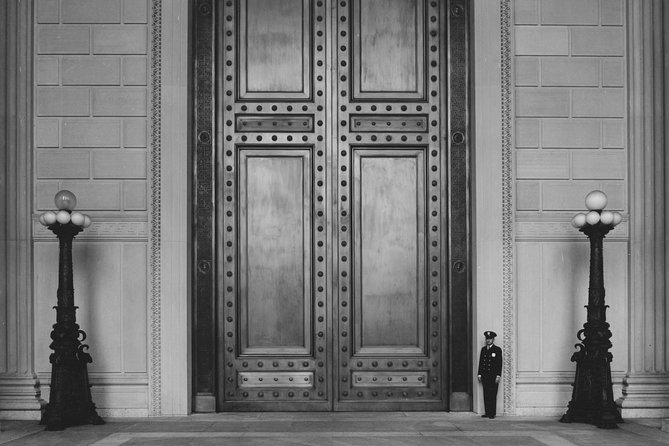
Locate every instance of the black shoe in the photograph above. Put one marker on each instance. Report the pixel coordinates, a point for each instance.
(484, 416)
(492, 417)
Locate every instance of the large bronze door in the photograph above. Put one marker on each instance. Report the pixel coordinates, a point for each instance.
(331, 198)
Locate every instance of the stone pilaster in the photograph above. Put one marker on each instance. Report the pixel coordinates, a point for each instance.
(646, 386)
(19, 395)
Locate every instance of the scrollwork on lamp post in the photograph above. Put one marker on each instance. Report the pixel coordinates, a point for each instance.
(70, 401)
(592, 396)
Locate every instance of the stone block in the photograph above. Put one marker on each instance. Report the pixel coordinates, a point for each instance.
(47, 11)
(542, 164)
(95, 195)
(135, 132)
(613, 72)
(60, 164)
(541, 41)
(564, 280)
(616, 191)
(135, 70)
(126, 39)
(63, 39)
(527, 133)
(46, 70)
(596, 41)
(91, 70)
(612, 12)
(91, 11)
(62, 101)
(119, 102)
(45, 190)
(135, 196)
(613, 133)
(570, 12)
(604, 103)
(527, 71)
(119, 164)
(135, 11)
(566, 195)
(570, 72)
(570, 133)
(528, 264)
(91, 133)
(528, 196)
(46, 132)
(98, 286)
(542, 102)
(599, 164)
(133, 294)
(526, 12)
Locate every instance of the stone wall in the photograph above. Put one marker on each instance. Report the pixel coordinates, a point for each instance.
(91, 102)
(570, 138)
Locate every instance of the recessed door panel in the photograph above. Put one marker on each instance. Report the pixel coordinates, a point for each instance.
(274, 49)
(275, 290)
(388, 37)
(388, 232)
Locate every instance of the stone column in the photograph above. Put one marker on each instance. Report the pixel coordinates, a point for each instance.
(646, 386)
(18, 394)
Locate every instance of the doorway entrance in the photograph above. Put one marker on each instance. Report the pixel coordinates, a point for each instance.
(331, 217)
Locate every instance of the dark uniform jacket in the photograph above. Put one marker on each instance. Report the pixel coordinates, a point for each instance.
(490, 362)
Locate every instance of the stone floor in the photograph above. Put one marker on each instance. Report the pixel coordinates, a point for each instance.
(340, 429)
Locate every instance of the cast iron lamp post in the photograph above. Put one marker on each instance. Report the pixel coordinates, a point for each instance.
(70, 401)
(592, 397)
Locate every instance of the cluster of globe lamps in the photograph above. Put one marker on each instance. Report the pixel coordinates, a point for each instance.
(596, 201)
(65, 202)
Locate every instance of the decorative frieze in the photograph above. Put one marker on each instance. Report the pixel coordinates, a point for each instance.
(101, 230)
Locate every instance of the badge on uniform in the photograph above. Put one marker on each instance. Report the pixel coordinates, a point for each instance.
(493, 355)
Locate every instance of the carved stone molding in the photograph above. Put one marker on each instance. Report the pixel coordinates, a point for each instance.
(554, 229)
(155, 216)
(102, 230)
(508, 344)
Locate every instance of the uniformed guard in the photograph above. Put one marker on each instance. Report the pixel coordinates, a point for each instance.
(490, 372)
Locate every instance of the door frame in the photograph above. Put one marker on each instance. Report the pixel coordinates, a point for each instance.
(457, 278)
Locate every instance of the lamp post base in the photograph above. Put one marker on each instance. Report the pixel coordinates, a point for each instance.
(70, 399)
(602, 417)
(592, 397)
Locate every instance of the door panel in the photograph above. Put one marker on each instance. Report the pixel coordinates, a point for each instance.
(388, 37)
(275, 251)
(331, 191)
(274, 37)
(389, 257)
(389, 332)
(272, 221)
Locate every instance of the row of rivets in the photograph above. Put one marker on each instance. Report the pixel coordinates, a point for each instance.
(273, 107)
(344, 215)
(309, 138)
(274, 394)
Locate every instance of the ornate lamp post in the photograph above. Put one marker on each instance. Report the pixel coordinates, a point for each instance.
(592, 397)
(70, 401)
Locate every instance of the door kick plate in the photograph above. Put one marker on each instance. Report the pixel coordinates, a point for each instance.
(248, 380)
(390, 379)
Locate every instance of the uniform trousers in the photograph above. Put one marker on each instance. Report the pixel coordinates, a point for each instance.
(489, 394)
